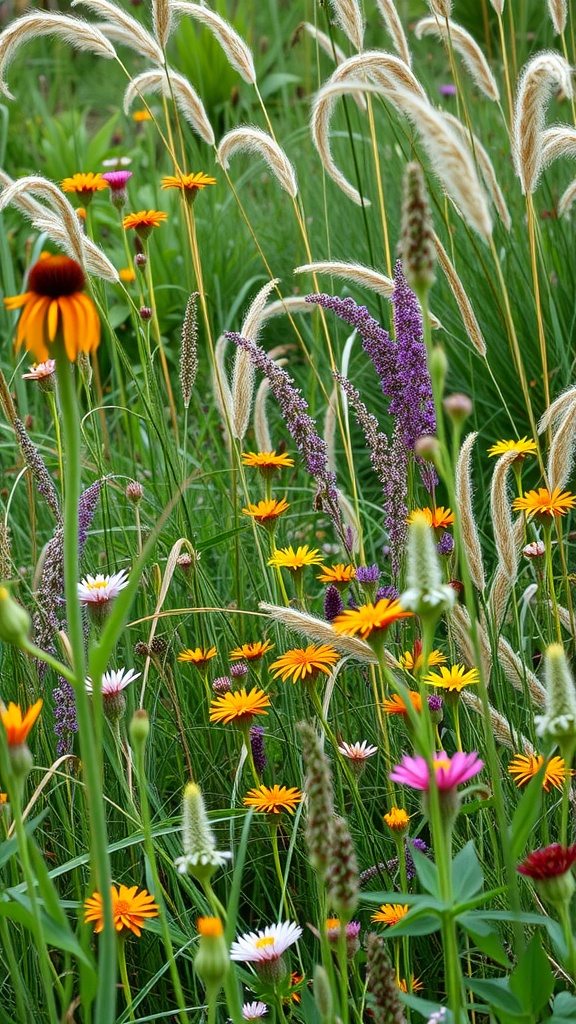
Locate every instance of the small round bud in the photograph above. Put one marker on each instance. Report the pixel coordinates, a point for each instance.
(427, 447)
(185, 562)
(438, 365)
(21, 760)
(212, 961)
(114, 706)
(141, 649)
(222, 684)
(458, 407)
(145, 313)
(14, 620)
(140, 259)
(158, 646)
(134, 492)
(139, 729)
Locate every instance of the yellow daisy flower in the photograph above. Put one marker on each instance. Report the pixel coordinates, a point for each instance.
(390, 913)
(453, 678)
(251, 652)
(287, 558)
(239, 706)
(525, 446)
(302, 662)
(273, 799)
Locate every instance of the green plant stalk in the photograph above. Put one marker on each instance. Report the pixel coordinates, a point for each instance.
(564, 915)
(20, 994)
(91, 753)
(124, 976)
(547, 529)
(343, 971)
(151, 855)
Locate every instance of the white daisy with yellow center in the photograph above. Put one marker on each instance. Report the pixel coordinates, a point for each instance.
(267, 944)
(99, 589)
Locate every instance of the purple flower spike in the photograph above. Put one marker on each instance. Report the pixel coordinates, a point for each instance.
(445, 545)
(391, 592)
(368, 573)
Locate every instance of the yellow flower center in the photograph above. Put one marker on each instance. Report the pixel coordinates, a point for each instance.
(442, 763)
(98, 585)
(268, 940)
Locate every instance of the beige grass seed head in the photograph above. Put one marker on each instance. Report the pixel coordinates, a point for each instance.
(125, 29)
(502, 524)
(561, 451)
(462, 301)
(168, 82)
(499, 725)
(486, 168)
(349, 17)
(559, 13)
(249, 139)
(78, 33)
(541, 77)
(234, 47)
(566, 200)
(558, 409)
(395, 29)
(162, 21)
(243, 374)
(558, 141)
(332, 50)
(465, 512)
(464, 44)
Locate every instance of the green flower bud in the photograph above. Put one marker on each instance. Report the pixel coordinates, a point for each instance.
(559, 721)
(14, 620)
(212, 961)
(139, 729)
(201, 858)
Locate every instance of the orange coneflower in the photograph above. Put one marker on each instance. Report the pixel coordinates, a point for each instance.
(239, 706)
(397, 819)
(396, 705)
(523, 768)
(274, 799)
(370, 617)
(390, 913)
(525, 446)
(84, 185)
(18, 726)
(55, 304)
(544, 504)
(199, 657)
(144, 221)
(301, 662)
(267, 511)
(129, 907)
(251, 652)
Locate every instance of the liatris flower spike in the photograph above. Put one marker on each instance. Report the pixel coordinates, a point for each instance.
(201, 858)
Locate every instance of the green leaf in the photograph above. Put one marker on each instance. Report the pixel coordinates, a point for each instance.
(532, 979)
(18, 910)
(415, 924)
(427, 872)
(526, 814)
(467, 873)
(484, 936)
(276, 81)
(411, 898)
(10, 846)
(496, 992)
(563, 1009)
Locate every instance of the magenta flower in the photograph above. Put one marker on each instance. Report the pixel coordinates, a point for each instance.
(117, 179)
(450, 771)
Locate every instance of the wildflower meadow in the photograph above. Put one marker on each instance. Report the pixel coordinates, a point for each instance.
(287, 512)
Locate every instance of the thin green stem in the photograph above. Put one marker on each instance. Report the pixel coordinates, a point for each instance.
(124, 977)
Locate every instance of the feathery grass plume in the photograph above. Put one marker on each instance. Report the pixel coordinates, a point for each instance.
(472, 56)
(5, 555)
(567, 199)
(498, 5)
(189, 349)
(487, 172)
(60, 223)
(389, 71)
(320, 799)
(462, 301)
(502, 524)
(540, 78)
(242, 388)
(499, 725)
(318, 629)
(460, 624)
(559, 720)
(561, 451)
(330, 421)
(383, 992)
(451, 161)
(416, 231)
(396, 32)
(75, 31)
(427, 595)
(249, 139)
(6, 401)
(220, 385)
(342, 870)
(260, 418)
(464, 492)
(200, 857)
(559, 13)
(441, 8)
(234, 47)
(516, 671)
(331, 48)
(162, 21)
(123, 28)
(349, 17)
(558, 141)
(294, 410)
(168, 82)
(356, 273)
(499, 596)
(566, 402)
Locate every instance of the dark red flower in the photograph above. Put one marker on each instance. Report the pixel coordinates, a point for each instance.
(549, 862)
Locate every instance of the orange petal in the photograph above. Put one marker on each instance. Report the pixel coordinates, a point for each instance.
(53, 318)
(17, 301)
(72, 326)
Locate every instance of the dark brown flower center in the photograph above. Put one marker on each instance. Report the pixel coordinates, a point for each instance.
(55, 276)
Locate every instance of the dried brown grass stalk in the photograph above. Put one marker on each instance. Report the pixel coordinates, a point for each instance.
(187, 99)
(248, 139)
(502, 525)
(567, 199)
(465, 512)
(462, 301)
(472, 56)
(236, 50)
(123, 28)
(318, 629)
(498, 723)
(486, 169)
(60, 223)
(75, 31)
(396, 32)
(559, 14)
(541, 77)
(348, 14)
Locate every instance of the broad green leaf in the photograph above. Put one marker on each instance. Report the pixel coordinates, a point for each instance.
(61, 938)
(563, 1009)
(467, 873)
(427, 872)
(484, 936)
(420, 924)
(532, 979)
(526, 815)
(411, 898)
(496, 992)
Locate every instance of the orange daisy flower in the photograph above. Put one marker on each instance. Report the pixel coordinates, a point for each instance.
(274, 799)
(544, 504)
(439, 518)
(397, 819)
(251, 652)
(523, 767)
(369, 617)
(397, 706)
(390, 913)
(144, 221)
(337, 574)
(127, 274)
(267, 511)
(199, 657)
(130, 909)
(55, 303)
(141, 115)
(267, 462)
(84, 185)
(416, 984)
(239, 706)
(305, 661)
(189, 184)
(18, 726)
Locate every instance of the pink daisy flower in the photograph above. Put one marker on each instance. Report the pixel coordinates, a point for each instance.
(450, 771)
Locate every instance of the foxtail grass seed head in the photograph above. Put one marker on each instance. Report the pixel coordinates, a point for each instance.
(539, 80)
(559, 720)
(318, 788)
(236, 51)
(249, 139)
(139, 730)
(559, 13)
(212, 961)
(395, 29)
(14, 620)
(383, 992)
(342, 870)
(201, 858)
(416, 239)
(464, 44)
(189, 349)
(427, 596)
(170, 83)
(465, 511)
(348, 14)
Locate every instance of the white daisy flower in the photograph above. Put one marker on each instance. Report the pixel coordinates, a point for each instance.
(253, 1011)
(268, 944)
(357, 751)
(115, 681)
(100, 589)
